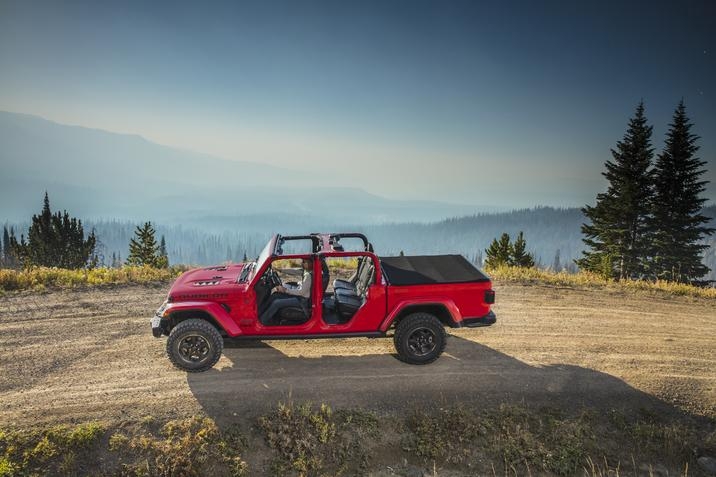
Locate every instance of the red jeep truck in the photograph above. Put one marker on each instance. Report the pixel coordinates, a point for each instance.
(415, 297)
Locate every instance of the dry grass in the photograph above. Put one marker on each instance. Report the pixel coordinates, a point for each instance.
(188, 448)
(312, 440)
(182, 448)
(512, 437)
(308, 440)
(58, 450)
(592, 280)
(516, 440)
(39, 278)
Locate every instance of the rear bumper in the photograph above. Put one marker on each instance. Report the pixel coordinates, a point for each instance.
(487, 320)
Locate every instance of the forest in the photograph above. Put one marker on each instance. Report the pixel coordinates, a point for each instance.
(553, 236)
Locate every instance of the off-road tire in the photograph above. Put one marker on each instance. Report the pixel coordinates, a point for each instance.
(204, 335)
(419, 323)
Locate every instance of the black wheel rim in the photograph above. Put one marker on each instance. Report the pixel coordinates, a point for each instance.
(422, 342)
(194, 348)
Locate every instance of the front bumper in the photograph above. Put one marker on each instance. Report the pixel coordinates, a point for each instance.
(157, 322)
(487, 320)
(157, 329)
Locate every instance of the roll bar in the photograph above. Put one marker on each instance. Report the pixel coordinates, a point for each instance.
(280, 239)
(334, 240)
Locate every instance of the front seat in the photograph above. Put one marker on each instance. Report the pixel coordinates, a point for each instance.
(300, 314)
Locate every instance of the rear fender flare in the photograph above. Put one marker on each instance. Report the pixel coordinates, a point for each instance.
(449, 305)
(220, 316)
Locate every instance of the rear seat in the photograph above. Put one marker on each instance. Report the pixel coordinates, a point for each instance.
(359, 275)
(348, 300)
(349, 284)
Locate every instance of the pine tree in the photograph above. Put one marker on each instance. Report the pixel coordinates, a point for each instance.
(9, 257)
(5, 244)
(617, 234)
(163, 261)
(519, 256)
(143, 249)
(499, 252)
(677, 224)
(557, 263)
(55, 240)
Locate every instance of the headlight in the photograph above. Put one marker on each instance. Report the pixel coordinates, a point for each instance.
(160, 310)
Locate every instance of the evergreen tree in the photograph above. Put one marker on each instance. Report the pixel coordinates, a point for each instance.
(8, 255)
(617, 235)
(5, 242)
(519, 256)
(55, 240)
(677, 223)
(163, 255)
(143, 248)
(557, 263)
(499, 252)
(245, 259)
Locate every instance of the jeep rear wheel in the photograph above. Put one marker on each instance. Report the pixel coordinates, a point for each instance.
(419, 338)
(194, 345)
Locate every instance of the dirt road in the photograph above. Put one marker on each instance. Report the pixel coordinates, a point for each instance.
(71, 356)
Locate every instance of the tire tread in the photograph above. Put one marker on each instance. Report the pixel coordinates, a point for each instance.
(197, 325)
(412, 321)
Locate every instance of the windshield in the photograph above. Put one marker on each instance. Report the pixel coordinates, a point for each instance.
(265, 253)
(251, 267)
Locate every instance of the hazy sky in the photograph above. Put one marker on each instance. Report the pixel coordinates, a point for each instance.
(504, 103)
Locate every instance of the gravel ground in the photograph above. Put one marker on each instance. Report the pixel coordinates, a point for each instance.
(75, 355)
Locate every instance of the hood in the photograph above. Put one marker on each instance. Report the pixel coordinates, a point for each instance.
(206, 283)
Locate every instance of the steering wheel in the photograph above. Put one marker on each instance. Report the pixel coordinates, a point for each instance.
(273, 279)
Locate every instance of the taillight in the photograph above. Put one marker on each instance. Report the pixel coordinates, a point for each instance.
(489, 297)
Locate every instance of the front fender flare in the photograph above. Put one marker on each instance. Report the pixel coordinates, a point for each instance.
(213, 309)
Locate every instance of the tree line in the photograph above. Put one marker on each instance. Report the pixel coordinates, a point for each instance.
(59, 240)
(649, 224)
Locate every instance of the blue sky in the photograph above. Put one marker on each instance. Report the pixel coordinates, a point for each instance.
(500, 103)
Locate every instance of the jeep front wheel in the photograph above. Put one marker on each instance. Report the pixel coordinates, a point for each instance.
(194, 345)
(419, 338)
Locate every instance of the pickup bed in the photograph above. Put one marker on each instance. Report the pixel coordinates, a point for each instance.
(412, 297)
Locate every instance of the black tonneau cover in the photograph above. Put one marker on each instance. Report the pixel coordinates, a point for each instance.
(424, 269)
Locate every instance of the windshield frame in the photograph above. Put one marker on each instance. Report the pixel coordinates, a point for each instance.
(265, 254)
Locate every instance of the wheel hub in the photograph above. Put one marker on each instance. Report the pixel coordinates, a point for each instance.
(422, 341)
(194, 348)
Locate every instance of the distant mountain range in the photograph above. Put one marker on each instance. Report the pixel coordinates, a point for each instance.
(95, 173)
(214, 210)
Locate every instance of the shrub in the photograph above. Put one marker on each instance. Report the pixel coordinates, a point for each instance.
(53, 450)
(593, 280)
(186, 448)
(38, 278)
(315, 441)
